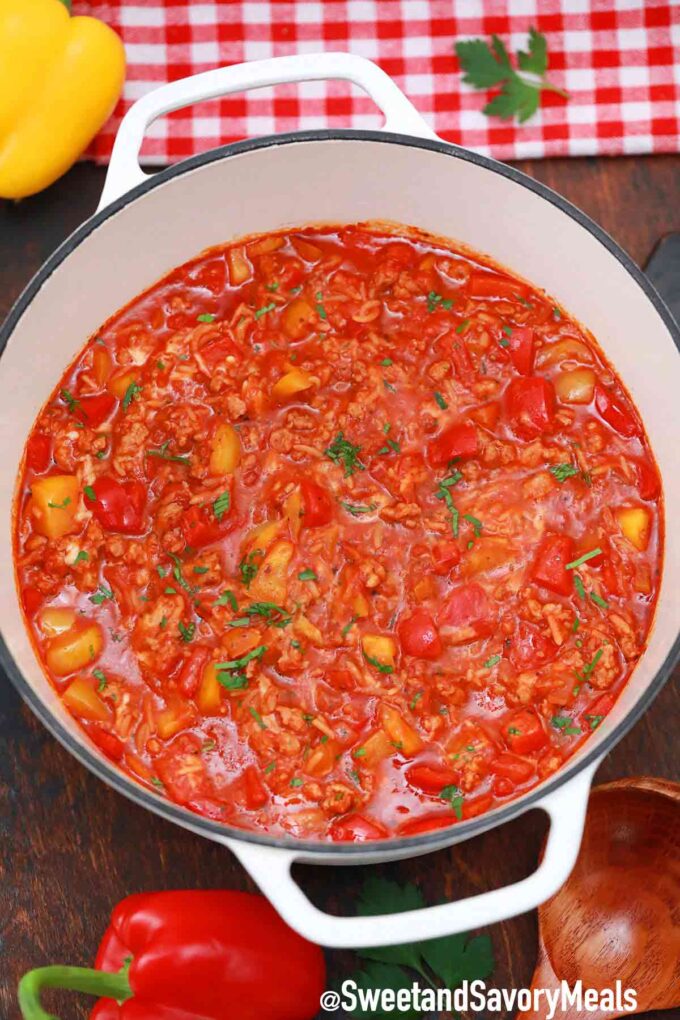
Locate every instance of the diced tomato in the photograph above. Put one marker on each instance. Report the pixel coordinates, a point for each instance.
(461, 360)
(419, 636)
(466, 614)
(445, 555)
(212, 275)
(530, 647)
(356, 829)
(340, 679)
(494, 285)
(549, 567)
(524, 732)
(431, 778)
(458, 440)
(648, 483)
(39, 452)
(217, 349)
(511, 767)
(616, 412)
(317, 506)
(192, 671)
(530, 406)
(521, 344)
(427, 823)
(107, 742)
(96, 409)
(32, 599)
(118, 506)
(255, 791)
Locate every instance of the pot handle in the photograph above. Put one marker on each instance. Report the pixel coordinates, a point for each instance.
(124, 170)
(270, 869)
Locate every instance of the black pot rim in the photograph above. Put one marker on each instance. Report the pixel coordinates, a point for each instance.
(307, 848)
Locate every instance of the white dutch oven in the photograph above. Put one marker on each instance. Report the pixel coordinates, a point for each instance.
(147, 225)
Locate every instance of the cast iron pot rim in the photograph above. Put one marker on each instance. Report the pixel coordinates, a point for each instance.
(378, 848)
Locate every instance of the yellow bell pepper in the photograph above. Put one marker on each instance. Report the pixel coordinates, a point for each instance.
(60, 78)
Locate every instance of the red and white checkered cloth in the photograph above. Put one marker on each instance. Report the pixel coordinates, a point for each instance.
(618, 59)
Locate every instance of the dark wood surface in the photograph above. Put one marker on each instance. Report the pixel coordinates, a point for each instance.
(70, 848)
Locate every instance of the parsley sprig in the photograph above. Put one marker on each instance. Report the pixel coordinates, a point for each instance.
(487, 65)
(341, 451)
(448, 961)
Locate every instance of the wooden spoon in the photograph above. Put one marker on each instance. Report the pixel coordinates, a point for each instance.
(618, 914)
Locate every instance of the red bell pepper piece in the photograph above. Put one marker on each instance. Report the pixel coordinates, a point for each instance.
(213, 955)
(419, 636)
(39, 452)
(616, 412)
(521, 344)
(530, 406)
(427, 823)
(550, 566)
(445, 555)
(118, 506)
(496, 286)
(96, 409)
(510, 766)
(217, 349)
(524, 732)
(192, 670)
(317, 506)
(459, 440)
(356, 829)
(431, 778)
(200, 526)
(648, 483)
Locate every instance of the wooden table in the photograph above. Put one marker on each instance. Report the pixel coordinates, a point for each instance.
(70, 848)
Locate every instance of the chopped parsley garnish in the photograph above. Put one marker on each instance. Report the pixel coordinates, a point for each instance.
(563, 471)
(357, 509)
(82, 557)
(382, 667)
(131, 392)
(507, 330)
(59, 506)
(593, 720)
(155, 781)
(69, 400)
(589, 667)
(455, 798)
(274, 615)
(386, 362)
(100, 675)
(389, 386)
(440, 400)
(90, 493)
(206, 317)
(557, 314)
(598, 600)
(463, 326)
(248, 568)
(341, 451)
(187, 631)
(222, 504)
(232, 681)
(307, 575)
(492, 661)
(162, 454)
(273, 286)
(564, 724)
(444, 493)
(270, 768)
(256, 653)
(416, 698)
(257, 717)
(390, 446)
(320, 310)
(201, 570)
(296, 781)
(475, 522)
(102, 594)
(348, 626)
(265, 309)
(583, 559)
(178, 575)
(578, 584)
(503, 343)
(434, 300)
(208, 745)
(227, 598)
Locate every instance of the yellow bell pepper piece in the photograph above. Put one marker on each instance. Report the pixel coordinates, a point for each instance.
(60, 78)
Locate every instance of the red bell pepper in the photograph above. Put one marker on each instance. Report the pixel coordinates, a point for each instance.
(549, 569)
(118, 506)
(521, 349)
(317, 506)
(530, 406)
(39, 452)
(419, 636)
(615, 411)
(96, 409)
(192, 955)
(200, 526)
(458, 440)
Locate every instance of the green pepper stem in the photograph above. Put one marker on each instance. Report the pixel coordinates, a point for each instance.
(75, 979)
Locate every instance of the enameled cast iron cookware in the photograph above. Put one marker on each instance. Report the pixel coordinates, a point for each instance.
(147, 225)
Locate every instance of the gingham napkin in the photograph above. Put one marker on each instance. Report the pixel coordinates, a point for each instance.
(618, 59)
